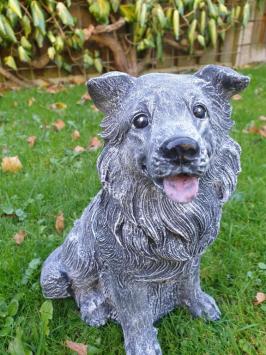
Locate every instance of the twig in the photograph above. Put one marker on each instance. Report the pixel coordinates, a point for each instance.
(11, 77)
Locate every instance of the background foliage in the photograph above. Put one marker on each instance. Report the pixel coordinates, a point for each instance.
(36, 32)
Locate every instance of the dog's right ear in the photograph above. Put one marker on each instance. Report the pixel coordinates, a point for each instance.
(108, 90)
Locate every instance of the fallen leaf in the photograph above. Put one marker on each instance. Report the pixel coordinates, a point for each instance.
(55, 88)
(262, 131)
(31, 101)
(86, 97)
(237, 97)
(81, 349)
(262, 118)
(11, 164)
(19, 237)
(79, 149)
(94, 144)
(252, 128)
(58, 125)
(94, 108)
(59, 223)
(58, 106)
(75, 135)
(31, 140)
(260, 297)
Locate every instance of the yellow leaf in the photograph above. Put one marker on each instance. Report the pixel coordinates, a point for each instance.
(75, 135)
(11, 164)
(57, 106)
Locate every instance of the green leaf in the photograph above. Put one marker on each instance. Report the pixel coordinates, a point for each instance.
(10, 62)
(262, 266)
(213, 32)
(25, 43)
(15, 7)
(2, 27)
(16, 346)
(51, 53)
(46, 311)
(201, 40)
(128, 12)
(191, 32)
(26, 25)
(12, 17)
(12, 308)
(64, 14)
(143, 15)
(59, 44)
(98, 64)
(176, 24)
(8, 29)
(100, 9)
(39, 37)
(115, 5)
(87, 60)
(159, 47)
(3, 309)
(38, 16)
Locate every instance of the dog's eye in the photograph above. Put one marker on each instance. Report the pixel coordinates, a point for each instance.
(140, 121)
(200, 111)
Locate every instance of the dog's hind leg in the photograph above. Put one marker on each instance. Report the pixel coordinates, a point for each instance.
(54, 279)
(199, 303)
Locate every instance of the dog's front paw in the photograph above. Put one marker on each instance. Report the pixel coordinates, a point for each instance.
(203, 305)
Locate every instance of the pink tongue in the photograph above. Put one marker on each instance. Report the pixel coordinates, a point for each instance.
(181, 188)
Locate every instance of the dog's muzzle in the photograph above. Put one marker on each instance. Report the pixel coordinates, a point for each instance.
(181, 150)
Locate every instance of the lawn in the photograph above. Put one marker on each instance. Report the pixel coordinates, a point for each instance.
(55, 179)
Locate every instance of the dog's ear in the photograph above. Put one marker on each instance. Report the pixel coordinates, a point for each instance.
(108, 90)
(225, 79)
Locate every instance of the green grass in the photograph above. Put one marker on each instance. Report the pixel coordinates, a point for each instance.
(54, 179)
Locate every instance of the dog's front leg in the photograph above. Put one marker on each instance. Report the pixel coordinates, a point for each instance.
(135, 316)
(199, 303)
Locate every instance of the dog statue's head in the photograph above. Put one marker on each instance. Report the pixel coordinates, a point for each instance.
(167, 127)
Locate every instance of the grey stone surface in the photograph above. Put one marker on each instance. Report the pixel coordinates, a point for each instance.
(167, 168)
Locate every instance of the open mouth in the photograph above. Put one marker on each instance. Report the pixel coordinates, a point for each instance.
(182, 188)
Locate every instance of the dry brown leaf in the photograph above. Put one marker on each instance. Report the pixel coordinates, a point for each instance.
(75, 135)
(54, 88)
(94, 144)
(58, 106)
(257, 130)
(262, 131)
(31, 101)
(79, 149)
(81, 349)
(84, 98)
(58, 125)
(19, 237)
(11, 164)
(262, 118)
(59, 223)
(94, 108)
(237, 97)
(31, 140)
(260, 297)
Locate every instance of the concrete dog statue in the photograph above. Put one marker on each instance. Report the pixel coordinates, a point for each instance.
(167, 167)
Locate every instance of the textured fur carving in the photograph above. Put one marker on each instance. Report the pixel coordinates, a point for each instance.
(134, 254)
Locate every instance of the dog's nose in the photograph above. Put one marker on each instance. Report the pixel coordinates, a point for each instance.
(181, 149)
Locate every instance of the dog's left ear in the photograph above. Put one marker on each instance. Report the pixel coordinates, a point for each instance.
(108, 90)
(225, 79)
